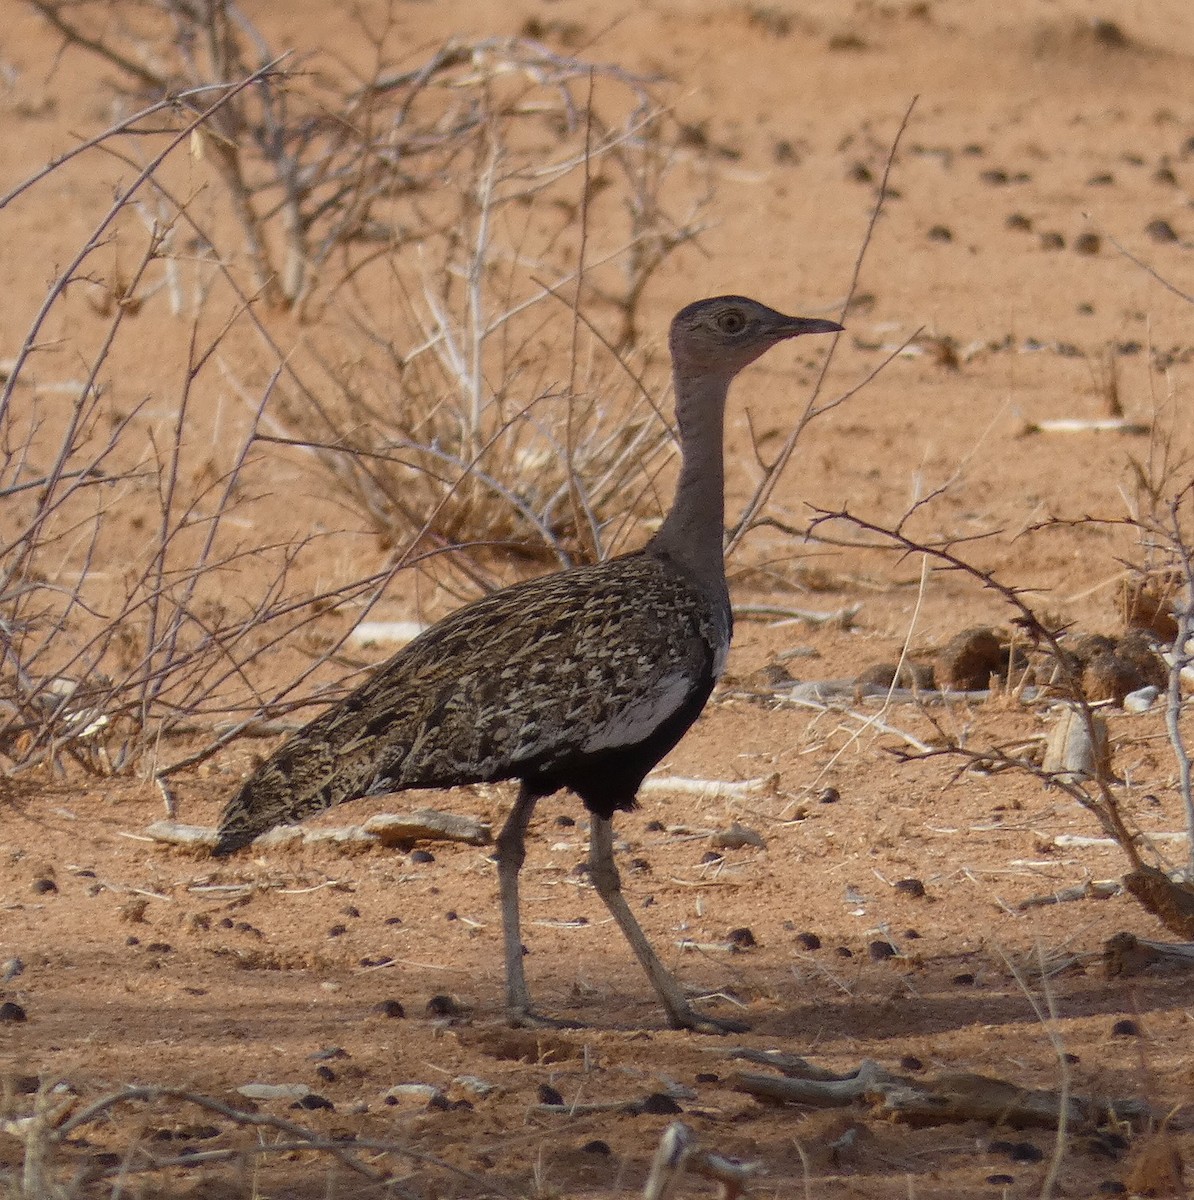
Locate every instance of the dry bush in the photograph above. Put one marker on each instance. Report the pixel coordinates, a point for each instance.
(434, 230)
(471, 191)
(1157, 620)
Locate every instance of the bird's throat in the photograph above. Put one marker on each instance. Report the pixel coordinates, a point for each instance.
(693, 532)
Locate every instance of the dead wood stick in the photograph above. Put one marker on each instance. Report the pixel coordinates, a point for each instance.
(820, 1093)
(842, 616)
(679, 1153)
(963, 1096)
(1092, 889)
(1125, 954)
(1066, 840)
(386, 829)
(948, 1097)
(152, 1094)
(707, 789)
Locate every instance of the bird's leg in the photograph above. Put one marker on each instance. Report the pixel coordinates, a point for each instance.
(604, 874)
(511, 851)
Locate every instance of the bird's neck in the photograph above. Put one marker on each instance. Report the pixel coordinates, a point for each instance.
(693, 532)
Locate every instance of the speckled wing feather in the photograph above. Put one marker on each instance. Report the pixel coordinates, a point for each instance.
(531, 682)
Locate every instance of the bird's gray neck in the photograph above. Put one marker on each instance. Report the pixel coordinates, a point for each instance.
(693, 532)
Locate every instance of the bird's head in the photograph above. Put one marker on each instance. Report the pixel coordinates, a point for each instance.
(722, 335)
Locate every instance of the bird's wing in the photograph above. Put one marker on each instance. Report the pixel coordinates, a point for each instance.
(522, 680)
(550, 676)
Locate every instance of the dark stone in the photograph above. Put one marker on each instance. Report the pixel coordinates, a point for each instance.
(443, 1006)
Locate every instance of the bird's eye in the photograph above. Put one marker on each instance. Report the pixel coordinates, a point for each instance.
(731, 322)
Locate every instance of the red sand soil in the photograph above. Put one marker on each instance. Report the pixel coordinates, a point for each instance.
(146, 965)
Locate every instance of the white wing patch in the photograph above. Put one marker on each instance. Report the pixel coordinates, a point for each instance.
(720, 654)
(637, 721)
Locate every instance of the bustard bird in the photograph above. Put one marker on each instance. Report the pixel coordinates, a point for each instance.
(582, 680)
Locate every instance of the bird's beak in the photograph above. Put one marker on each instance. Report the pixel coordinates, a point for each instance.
(795, 326)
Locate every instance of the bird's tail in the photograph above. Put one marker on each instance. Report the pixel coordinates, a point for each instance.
(317, 767)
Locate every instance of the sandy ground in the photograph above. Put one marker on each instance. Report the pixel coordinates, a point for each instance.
(1045, 136)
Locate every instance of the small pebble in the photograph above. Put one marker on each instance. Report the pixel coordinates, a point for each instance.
(808, 941)
(11, 1011)
(390, 1008)
(879, 950)
(450, 915)
(549, 1095)
(1125, 1028)
(711, 856)
(564, 821)
(1052, 241)
(422, 856)
(964, 979)
(860, 173)
(1165, 175)
(328, 1053)
(351, 910)
(1161, 231)
(1112, 1187)
(1018, 221)
(741, 938)
(912, 934)
(443, 1006)
(160, 948)
(829, 796)
(707, 1077)
(910, 887)
(1088, 243)
(1103, 179)
(660, 1105)
(337, 931)
(325, 1073)
(844, 952)
(43, 887)
(314, 1101)
(911, 1063)
(1001, 1180)
(994, 177)
(274, 1091)
(1141, 700)
(785, 152)
(393, 920)
(596, 1146)
(940, 233)
(1026, 1152)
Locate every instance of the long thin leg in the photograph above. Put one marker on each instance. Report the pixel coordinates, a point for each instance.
(511, 852)
(604, 874)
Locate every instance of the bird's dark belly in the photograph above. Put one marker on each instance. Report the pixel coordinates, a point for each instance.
(607, 780)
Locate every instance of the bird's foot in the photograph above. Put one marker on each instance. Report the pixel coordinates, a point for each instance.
(702, 1023)
(528, 1018)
